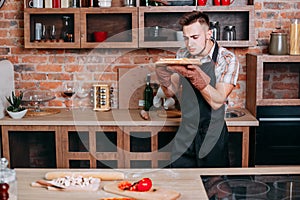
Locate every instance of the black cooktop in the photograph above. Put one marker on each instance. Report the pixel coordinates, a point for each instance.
(253, 187)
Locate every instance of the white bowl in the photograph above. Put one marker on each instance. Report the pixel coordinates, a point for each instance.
(104, 3)
(17, 115)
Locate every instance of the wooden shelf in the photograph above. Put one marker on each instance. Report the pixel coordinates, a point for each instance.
(120, 24)
(167, 17)
(128, 27)
(255, 79)
(49, 17)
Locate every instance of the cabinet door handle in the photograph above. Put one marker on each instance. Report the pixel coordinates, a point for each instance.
(266, 119)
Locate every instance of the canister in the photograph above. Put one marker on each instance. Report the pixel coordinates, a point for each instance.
(278, 43)
(295, 37)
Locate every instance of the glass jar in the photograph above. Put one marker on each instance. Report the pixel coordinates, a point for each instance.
(295, 37)
(229, 33)
(8, 176)
(214, 26)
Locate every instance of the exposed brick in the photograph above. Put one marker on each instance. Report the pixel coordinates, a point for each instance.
(23, 68)
(105, 77)
(25, 85)
(60, 76)
(49, 85)
(98, 68)
(4, 24)
(74, 68)
(33, 76)
(49, 68)
(34, 59)
(4, 50)
(257, 5)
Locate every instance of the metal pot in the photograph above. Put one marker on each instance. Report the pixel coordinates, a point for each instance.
(278, 44)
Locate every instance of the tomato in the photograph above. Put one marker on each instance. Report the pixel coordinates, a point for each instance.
(144, 184)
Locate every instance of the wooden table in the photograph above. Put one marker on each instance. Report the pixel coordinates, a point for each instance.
(185, 181)
(118, 121)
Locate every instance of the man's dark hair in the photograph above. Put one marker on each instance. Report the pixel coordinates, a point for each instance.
(192, 17)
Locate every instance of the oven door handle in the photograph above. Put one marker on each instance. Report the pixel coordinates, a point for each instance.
(271, 119)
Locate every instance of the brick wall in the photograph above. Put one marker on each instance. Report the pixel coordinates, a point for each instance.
(47, 69)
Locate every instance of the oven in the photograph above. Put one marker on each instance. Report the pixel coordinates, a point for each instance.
(278, 135)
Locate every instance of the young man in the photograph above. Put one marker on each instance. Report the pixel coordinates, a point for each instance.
(202, 138)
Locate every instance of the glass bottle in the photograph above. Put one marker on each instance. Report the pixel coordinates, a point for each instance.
(148, 94)
(66, 28)
(7, 181)
(214, 26)
(295, 37)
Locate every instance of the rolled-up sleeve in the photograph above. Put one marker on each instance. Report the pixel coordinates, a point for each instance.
(227, 67)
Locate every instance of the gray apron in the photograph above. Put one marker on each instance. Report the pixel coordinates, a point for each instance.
(201, 126)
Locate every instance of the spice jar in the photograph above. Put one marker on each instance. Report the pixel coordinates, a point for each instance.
(8, 179)
(295, 37)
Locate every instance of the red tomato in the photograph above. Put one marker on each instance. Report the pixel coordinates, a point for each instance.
(144, 184)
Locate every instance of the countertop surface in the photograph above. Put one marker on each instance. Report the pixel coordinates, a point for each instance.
(185, 181)
(114, 117)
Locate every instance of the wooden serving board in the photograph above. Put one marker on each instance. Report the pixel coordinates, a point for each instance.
(169, 114)
(52, 186)
(43, 112)
(155, 193)
(178, 61)
(103, 176)
(7, 84)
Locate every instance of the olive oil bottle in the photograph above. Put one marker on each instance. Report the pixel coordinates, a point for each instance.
(148, 94)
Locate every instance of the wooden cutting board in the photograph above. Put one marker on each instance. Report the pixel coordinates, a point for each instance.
(7, 84)
(43, 112)
(169, 114)
(155, 193)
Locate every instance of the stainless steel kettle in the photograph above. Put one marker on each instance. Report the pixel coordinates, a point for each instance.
(278, 43)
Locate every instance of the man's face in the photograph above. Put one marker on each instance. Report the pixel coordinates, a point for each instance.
(195, 36)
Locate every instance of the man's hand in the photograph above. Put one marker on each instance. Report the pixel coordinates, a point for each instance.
(193, 72)
(164, 76)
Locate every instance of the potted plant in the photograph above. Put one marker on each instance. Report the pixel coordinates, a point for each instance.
(15, 110)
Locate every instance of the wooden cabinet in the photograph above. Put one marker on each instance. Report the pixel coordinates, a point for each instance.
(119, 23)
(83, 23)
(50, 17)
(130, 26)
(272, 80)
(166, 18)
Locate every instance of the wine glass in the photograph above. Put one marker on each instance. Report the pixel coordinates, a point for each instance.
(53, 33)
(69, 89)
(82, 92)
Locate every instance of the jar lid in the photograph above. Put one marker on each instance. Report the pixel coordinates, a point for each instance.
(278, 30)
(6, 175)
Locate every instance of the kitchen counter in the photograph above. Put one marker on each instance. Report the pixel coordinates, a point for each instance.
(185, 181)
(120, 123)
(114, 117)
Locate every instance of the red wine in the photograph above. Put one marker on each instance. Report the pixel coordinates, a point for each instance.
(69, 93)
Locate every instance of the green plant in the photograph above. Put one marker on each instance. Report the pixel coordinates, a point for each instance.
(15, 102)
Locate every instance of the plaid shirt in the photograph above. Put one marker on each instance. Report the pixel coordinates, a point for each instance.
(226, 67)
